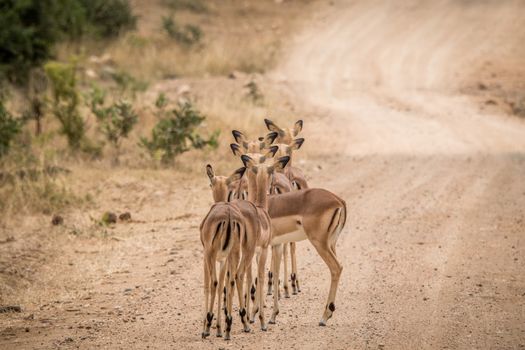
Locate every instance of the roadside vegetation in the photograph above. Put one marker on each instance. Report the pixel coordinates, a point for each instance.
(79, 86)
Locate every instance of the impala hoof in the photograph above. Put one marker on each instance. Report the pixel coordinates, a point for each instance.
(322, 323)
(271, 322)
(264, 328)
(227, 337)
(205, 334)
(247, 329)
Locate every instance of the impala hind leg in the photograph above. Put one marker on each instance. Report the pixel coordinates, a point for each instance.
(243, 298)
(222, 272)
(210, 265)
(260, 292)
(329, 257)
(270, 277)
(205, 328)
(293, 277)
(285, 274)
(277, 251)
(233, 263)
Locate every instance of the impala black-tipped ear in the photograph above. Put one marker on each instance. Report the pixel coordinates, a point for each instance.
(237, 175)
(297, 143)
(298, 126)
(209, 172)
(270, 138)
(281, 162)
(236, 149)
(237, 135)
(271, 125)
(261, 138)
(247, 161)
(272, 150)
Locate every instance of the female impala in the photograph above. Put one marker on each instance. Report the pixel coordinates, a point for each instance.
(314, 214)
(222, 235)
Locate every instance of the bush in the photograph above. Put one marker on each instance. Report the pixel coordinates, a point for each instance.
(108, 18)
(175, 132)
(187, 35)
(116, 120)
(30, 29)
(65, 101)
(9, 129)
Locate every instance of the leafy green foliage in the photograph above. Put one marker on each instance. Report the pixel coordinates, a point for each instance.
(9, 129)
(108, 18)
(31, 28)
(65, 101)
(175, 132)
(116, 120)
(187, 35)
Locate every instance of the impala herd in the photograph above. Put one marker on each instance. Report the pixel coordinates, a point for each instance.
(265, 204)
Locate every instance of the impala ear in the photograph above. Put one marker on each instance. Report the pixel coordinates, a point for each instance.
(298, 126)
(297, 143)
(280, 163)
(210, 173)
(236, 149)
(238, 136)
(271, 152)
(237, 175)
(247, 161)
(268, 139)
(271, 125)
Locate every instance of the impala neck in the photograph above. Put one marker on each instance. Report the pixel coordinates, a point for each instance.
(257, 190)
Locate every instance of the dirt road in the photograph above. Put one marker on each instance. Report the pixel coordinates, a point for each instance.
(433, 251)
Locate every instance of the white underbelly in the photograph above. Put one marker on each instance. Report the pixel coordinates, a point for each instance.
(293, 236)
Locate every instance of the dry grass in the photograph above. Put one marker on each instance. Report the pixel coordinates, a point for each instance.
(238, 35)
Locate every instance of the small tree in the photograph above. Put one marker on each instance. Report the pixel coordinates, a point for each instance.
(175, 132)
(9, 129)
(65, 101)
(116, 120)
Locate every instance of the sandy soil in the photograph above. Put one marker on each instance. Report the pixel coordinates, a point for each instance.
(433, 250)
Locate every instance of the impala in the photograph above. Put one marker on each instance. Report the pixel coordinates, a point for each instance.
(221, 233)
(314, 214)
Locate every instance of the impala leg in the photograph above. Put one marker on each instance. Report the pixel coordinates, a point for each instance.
(260, 292)
(285, 274)
(210, 262)
(205, 330)
(255, 288)
(293, 276)
(239, 279)
(222, 272)
(329, 257)
(277, 251)
(250, 288)
(233, 264)
(270, 276)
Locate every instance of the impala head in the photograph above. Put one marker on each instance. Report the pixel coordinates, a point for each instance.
(259, 177)
(285, 135)
(257, 146)
(220, 184)
(287, 149)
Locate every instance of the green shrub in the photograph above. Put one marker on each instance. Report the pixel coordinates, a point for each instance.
(175, 132)
(187, 35)
(31, 28)
(116, 120)
(127, 84)
(9, 129)
(65, 102)
(108, 18)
